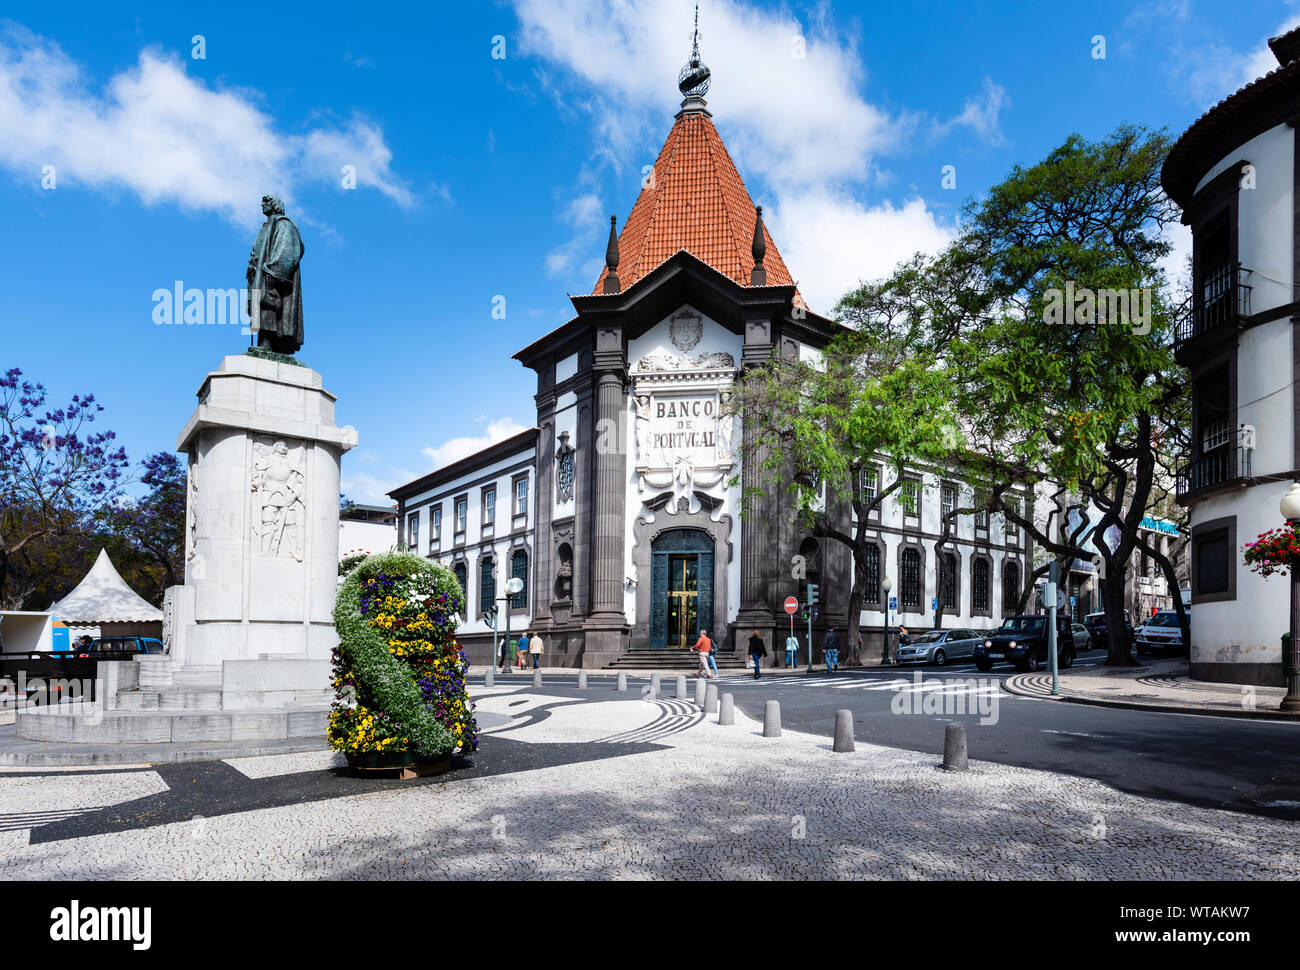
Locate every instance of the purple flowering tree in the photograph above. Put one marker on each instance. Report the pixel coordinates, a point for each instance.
(56, 475)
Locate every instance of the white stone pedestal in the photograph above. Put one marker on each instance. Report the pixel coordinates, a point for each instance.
(262, 557)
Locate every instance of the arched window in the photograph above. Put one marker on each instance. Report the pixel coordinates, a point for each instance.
(519, 570)
(911, 585)
(979, 581)
(487, 584)
(1010, 587)
(871, 578)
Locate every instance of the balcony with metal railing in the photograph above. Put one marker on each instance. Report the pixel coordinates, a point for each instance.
(1222, 302)
(1220, 468)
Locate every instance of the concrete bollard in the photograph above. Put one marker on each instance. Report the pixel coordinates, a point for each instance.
(537, 678)
(727, 710)
(582, 680)
(654, 686)
(843, 731)
(622, 682)
(711, 700)
(772, 719)
(488, 679)
(681, 687)
(954, 747)
(699, 691)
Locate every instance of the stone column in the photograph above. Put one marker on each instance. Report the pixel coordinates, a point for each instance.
(543, 499)
(758, 527)
(607, 625)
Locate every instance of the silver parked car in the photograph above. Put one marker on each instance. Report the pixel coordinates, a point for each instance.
(938, 647)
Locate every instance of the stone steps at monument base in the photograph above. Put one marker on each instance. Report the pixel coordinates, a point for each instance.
(174, 698)
(197, 676)
(83, 724)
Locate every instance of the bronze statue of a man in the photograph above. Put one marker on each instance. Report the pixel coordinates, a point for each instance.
(274, 285)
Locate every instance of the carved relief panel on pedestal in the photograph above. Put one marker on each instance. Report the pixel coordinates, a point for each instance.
(279, 489)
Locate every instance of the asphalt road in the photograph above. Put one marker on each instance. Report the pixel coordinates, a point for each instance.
(1230, 763)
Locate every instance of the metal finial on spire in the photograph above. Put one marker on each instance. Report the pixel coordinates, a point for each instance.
(693, 81)
(612, 284)
(759, 249)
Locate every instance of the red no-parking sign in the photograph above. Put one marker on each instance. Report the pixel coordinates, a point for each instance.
(791, 605)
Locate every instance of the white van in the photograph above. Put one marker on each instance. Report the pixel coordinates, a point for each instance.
(1161, 633)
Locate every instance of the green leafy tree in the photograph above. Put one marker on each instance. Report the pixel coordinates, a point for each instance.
(875, 395)
(1054, 320)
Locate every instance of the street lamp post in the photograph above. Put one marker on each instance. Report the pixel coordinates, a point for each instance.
(1291, 512)
(887, 585)
(513, 586)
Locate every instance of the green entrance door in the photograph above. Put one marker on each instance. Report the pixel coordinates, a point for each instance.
(681, 587)
(683, 600)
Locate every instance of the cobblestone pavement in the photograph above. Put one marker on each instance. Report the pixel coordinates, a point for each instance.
(697, 801)
(1160, 684)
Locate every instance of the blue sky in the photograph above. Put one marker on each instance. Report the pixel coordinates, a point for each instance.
(480, 177)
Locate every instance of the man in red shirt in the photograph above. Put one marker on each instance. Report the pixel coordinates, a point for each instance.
(703, 646)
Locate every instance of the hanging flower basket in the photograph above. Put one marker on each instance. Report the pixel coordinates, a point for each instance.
(1276, 551)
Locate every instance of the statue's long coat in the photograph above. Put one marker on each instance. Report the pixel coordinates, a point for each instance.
(277, 253)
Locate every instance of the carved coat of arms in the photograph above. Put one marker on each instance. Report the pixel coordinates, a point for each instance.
(685, 330)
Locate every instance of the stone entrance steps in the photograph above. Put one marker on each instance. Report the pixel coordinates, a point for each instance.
(85, 723)
(645, 658)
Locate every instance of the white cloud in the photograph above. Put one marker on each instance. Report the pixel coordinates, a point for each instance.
(458, 448)
(585, 216)
(800, 124)
(831, 241)
(367, 489)
(1262, 60)
(168, 137)
(980, 114)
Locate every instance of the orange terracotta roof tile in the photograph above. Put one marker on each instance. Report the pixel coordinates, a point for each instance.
(697, 201)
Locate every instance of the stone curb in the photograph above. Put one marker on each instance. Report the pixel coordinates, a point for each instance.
(1010, 685)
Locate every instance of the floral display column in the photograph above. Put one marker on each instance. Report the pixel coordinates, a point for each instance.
(399, 674)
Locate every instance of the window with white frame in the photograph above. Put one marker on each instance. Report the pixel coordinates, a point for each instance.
(489, 506)
(521, 497)
(462, 514)
(413, 530)
(435, 526)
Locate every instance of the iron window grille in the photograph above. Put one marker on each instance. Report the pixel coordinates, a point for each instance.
(980, 586)
(911, 579)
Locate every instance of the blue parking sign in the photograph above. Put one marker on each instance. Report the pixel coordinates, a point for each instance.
(934, 602)
(1074, 601)
(893, 602)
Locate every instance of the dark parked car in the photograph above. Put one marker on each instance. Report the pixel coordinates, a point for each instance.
(110, 648)
(1022, 642)
(1096, 624)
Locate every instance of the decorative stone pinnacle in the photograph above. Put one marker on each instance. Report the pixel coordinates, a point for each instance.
(759, 249)
(611, 258)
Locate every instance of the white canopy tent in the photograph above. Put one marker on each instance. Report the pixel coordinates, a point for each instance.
(103, 604)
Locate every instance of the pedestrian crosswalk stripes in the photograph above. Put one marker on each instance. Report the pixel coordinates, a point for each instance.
(900, 684)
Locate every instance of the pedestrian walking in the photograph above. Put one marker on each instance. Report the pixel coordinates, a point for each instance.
(521, 652)
(756, 653)
(705, 649)
(535, 648)
(791, 650)
(831, 650)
